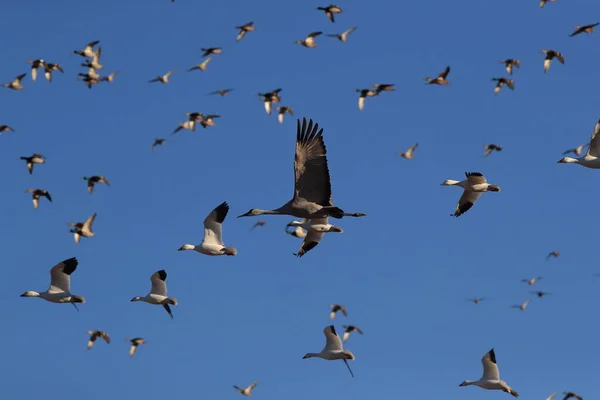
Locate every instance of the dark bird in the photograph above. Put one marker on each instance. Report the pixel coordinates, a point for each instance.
(36, 194)
(550, 55)
(330, 11)
(335, 308)
(440, 79)
(33, 159)
(554, 254)
(510, 63)
(491, 147)
(585, 28)
(501, 82)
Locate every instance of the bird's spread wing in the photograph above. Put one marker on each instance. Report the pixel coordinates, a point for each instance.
(333, 341)
(60, 280)
(445, 73)
(312, 181)
(213, 232)
(594, 149)
(475, 178)
(311, 240)
(490, 369)
(159, 286)
(466, 201)
(88, 223)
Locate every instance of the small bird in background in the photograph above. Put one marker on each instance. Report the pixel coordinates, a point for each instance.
(281, 111)
(88, 50)
(348, 330)
(135, 342)
(95, 335)
(189, 125)
(211, 50)
(554, 254)
(247, 391)
(33, 159)
(158, 142)
(568, 395)
(35, 64)
(477, 300)
(270, 98)
(523, 306)
(82, 228)
(540, 294)
(577, 150)
(543, 2)
(364, 93)
(309, 41)
(501, 82)
(15, 84)
(298, 232)
(343, 37)
(585, 28)
(408, 154)
(258, 223)
(162, 79)
(383, 87)
(202, 66)
(51, 67)
(222, 92)
(335, 308)
(5, 128)
(550, 55)
(330, 11)
(511, 63)
(36, 194)
(440, 79)
(244, 29)
(491, 147)
(551, 396)
(209, 120)
(531, 281)
(110, 77)
(92, 180)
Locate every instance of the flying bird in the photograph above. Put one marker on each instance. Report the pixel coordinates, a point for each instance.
(95, 335)
(51, 67)
(135, 342)
(511, 63)
(92, 180)
(222, 92)
(522, 306)
(258, 223)
(343, 37)
(348, 330)
(333, 349)
(202, 66)
(211, 50)
(247, 391)
(88, 50)
(591, 158)
(569, 395)
(209, 120)
(244, 29)
(554, 254)
(477, 300)
(281, 111)
(212, 244)
(5, 128)
(577, 150)
(15, 84)
(491, 147)
(543, 2)
(473, 186)
(584, 29)
(36, 194)
(309, 41)
(501, 82)
(35, 64)
(540, 294)
(550, 55)
(531, 281)
(440, 79)
(270, 98)
(162, 79)
(315, 228)
(82, 228)
(364, 93)
(335, 308)
(158, 142)
(408, 154)
(330, 11)
(491, 376)
(158, 292)
(383, 87)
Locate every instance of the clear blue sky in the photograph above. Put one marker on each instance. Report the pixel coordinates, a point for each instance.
(405, 272)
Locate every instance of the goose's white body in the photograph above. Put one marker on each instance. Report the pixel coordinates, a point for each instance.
(60, 284)
(591, 159)
(158, 292)
(473, 186)
(334, 349)
(212, 245)
(491, 376)
(316, 228)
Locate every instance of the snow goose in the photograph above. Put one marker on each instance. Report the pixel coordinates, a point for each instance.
(330, 11)
(33, 159)
(584, 29)
(316, 228)
(531, 281)
(36, 194)
(312, 186)
(491, 376)
(135, 342)
(491, 147)
(15, 84)
(244, 29)
(343, 37)
(511, 63)
(333, 349)
(309, 41)
(92, 180)
(577, 150)
(501, 82)
(212, 244)
(162, 78)
(348, 330)
(95, 335)
(158, 292)
(270, 98)
(550, 55)
(247, 391)
(554, 254)
(60, 284)
(408, 154)
(540, 294)
(440, 79)
(334, 310)
(298, 232)
(568, 395)
(83, 228)
(592, 157)
(473, 186)
(523, 306)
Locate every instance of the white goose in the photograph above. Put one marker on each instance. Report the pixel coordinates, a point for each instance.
(60, 284)
(212, 245)
(491, 376)
(592, 157)
(474, 186)
(333, 349)
(158, 293)
(315, 228)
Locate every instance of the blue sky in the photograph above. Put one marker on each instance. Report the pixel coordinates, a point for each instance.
(404, 273)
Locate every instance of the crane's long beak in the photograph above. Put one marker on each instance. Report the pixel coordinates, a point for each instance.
(346, 362)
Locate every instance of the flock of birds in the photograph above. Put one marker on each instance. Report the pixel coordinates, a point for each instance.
(311, 202)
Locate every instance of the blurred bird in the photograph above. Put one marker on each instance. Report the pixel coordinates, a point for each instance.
(15, 84)
(222, 92)
(348, 330)
(554, 254)
(187, 125)
(95, 335)
(89, 81)
(523, 306)
(162, 79)
(247, 391)
(510, 63)
(36, 194)
(5, 128)
(82, 228)
(343, 37)
(244, 29)
(531, 281)
(202, 66)
(211, 50)
(209, 120)
(94, 62)
(330, 11)
(383, 87)
(282, 111)
(408, 154)
(363, 94)
(92, 180)
(35, 64)
(335, 308)
(33, 159)
(49, 68)
(550, 55)
(310, 40)
(440, 79)
(501, 82)
(297, 232)
(135, 342)
(258, 223)
(477, 300)
(568, 395)
(551, 396)
(540, 294)
(491, 147)
(270, 98)
(543, 2)
(88, 50)
(585, 28)
(158, 142)
(577, 150)
(110, 77)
